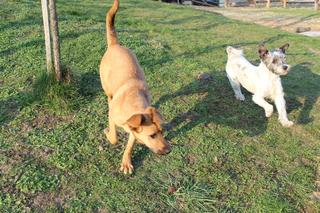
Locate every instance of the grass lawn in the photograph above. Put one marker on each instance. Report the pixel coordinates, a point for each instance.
(226, 155)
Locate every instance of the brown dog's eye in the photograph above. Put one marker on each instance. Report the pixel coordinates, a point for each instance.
(153, 135)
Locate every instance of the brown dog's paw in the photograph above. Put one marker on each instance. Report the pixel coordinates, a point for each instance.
(126, 167)
(110, 139)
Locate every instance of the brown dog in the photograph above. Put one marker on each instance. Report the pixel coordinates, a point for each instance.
(128, 97)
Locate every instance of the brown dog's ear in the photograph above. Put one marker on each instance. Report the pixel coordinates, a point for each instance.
(284, 47)
(135, 121)
(263, 51)
(156, 118)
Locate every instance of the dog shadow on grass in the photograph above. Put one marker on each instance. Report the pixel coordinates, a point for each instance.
(302, 84)
(216, 105)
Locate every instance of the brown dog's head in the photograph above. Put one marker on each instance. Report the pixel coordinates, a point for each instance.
(147, 130)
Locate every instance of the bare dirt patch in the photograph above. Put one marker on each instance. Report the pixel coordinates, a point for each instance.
(44, 120)
(44, 200)
(47, 121)
(314, 51)
(288, 21)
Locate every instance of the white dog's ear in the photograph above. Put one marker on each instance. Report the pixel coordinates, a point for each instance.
(263, 51)
(284, 47)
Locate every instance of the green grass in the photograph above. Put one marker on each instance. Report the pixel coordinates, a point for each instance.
(226, 156)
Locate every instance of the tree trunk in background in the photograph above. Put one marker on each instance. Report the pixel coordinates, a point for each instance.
(226, 3)
(316, 4)
(44, 5)
(55, 38)
(268, 3)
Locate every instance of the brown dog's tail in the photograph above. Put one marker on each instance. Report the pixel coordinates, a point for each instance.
(111, 31)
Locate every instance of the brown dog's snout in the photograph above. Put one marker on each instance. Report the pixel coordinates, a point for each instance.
(165, 150)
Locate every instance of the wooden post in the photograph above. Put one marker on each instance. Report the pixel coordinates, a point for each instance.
(55, 38)
(268, 3)
(285, 2)
(44, 5)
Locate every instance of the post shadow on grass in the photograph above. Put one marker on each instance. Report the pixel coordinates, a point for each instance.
(58, 96)
(217, 106)
(9, 108)
(301, 82)
(89, 85)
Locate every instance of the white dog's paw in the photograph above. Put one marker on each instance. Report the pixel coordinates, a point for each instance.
(240, 97)
(286, 123)
(126, 167)
(269, 111)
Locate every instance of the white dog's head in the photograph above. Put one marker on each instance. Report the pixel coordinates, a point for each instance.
(275, 60)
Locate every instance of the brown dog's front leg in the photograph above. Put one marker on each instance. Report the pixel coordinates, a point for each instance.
(126, 165)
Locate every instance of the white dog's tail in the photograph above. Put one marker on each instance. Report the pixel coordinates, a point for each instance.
(111, 31)
(233, 51)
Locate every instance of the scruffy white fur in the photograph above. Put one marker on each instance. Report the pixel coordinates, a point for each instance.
(263, 80)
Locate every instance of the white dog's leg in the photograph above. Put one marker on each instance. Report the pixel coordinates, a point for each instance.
(236, 88)
(281, 107)
(268, 108)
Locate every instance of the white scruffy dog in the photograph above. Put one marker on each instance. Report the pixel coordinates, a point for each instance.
(263, 80)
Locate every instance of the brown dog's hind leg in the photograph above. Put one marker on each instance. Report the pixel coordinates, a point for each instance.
(111, 133)
(126, 165)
